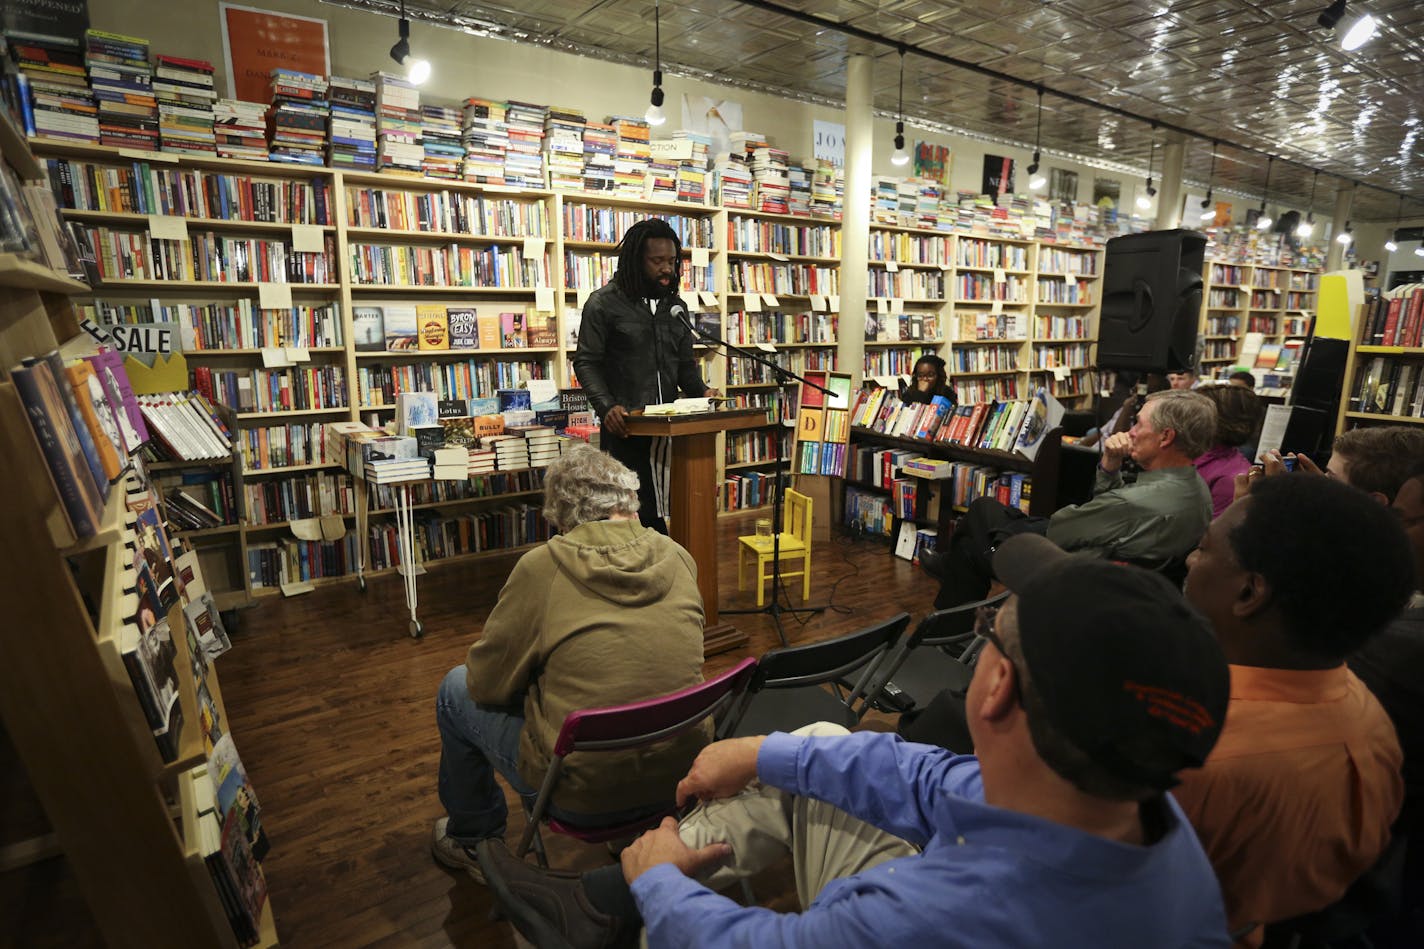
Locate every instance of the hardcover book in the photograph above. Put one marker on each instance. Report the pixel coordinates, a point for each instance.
(511, 330)
(368, 328)
(434, 327)
(543, 332)
(402, 328)
(488, 324)
(464, 327)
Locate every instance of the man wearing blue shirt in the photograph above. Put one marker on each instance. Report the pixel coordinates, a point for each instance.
(1097, 686)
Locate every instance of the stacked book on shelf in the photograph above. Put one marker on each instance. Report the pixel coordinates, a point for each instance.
(55, 98)
(524, 153)
(630, 165)
(187, 425)
(184, 89)
(563, 148)
(600, 151)
(121, 80)
(352, 132)
(399, 142)
(485, 141)
(296, 124)
(692, 174)
(444, 152)
(240, 129)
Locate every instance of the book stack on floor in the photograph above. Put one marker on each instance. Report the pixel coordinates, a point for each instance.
(692, 172)
(122, 83)
(563, 148)
(444, 152)
(630, 166)
(352, 132)
(296, 124)
(600, 148)
(524, 157)
(240, 129)
(184, 89)
(399, 145)
(60, 102)
(485, 141)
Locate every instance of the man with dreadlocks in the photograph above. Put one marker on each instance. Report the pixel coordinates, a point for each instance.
(633, 351)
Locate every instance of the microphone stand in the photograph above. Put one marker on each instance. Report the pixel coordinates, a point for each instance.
(784, 379)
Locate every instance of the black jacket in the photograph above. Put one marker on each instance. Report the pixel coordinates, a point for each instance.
(629, 356)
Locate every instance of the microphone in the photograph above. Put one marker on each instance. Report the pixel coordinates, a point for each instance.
(679, 312)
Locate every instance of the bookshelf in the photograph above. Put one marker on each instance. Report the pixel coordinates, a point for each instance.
(1067, 289)
(1277, 302)
(1384, 371)
(117, 809)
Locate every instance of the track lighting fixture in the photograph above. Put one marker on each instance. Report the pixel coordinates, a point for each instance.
(655, 115)
(1391, 245)
(1331, 14)
(417, 70)
(1144, 201)
(899, 157)
(1359, 33)
(1307, 226)
(1263, 220)
(1208, 211)
(1036, 182)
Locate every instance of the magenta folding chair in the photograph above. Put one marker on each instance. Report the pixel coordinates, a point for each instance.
(618, 727)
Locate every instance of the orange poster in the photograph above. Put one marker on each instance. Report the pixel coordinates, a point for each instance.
(255, 42)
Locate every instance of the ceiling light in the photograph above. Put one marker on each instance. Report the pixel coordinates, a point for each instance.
(655, 115)
(1359, 34)
(1144, 201)
(1263, 220)
(1346, 236)
(1307, 226)
(1331, 14)
(1036, 182)
(416, 70)
(1419, 251)
(899, 157)
(1390, 244)
(1208, 212)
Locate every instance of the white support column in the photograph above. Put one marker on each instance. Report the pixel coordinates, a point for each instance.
(855, 218)
(1169, 191)
(1344, 199)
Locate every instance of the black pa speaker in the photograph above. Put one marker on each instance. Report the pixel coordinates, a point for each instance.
(1152, 289)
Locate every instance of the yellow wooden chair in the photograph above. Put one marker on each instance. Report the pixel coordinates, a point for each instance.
(795, 545)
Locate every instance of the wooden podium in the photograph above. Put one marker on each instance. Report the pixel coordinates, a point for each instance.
(693, 499)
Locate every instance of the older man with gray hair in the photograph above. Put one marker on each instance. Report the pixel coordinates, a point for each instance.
(606, 612)
(1156, 519)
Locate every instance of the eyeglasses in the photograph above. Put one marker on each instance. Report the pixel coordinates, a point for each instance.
(985, 619)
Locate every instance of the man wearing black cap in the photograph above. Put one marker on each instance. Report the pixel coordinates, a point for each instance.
(1099, 685)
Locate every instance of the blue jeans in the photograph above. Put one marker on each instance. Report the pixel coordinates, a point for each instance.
(476, 742)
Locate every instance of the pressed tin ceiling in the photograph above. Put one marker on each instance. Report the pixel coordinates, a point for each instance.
(1258, 73)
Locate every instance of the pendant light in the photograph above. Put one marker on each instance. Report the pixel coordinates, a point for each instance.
(1307, 227)
(1144, 201)
(1264, 221)
(1035, 180)
(1209, 212)
(899, 157)
(655, 115)
(417, 70)
(1390, 245)
(1347, 236)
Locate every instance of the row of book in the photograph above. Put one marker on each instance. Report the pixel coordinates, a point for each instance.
(446, 212)
(206, 255)
(454, 265)
(293, 497)
(998, 424)
(1388, 386)
(300, 388)
(1393, 318)
(382, 385)
(432, 327)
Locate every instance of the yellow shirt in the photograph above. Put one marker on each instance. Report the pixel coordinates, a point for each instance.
(1298, 796)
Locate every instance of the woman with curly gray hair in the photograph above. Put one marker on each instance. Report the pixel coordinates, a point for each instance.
(606, 613)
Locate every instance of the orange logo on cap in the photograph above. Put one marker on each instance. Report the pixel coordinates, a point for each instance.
(1178, 709)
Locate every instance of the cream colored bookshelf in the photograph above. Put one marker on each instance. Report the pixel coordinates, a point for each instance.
(1241, 297)
(117, 810)
(1067, 294)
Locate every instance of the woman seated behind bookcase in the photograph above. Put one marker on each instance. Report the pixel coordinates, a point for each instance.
(608, 612)
(930, 380)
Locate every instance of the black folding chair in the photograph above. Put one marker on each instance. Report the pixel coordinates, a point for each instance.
(937, 655)
(786, 691)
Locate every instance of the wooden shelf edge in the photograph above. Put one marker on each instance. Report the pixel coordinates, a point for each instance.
(23, 273)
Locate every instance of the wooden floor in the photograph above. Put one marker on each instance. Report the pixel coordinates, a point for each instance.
(332, 706)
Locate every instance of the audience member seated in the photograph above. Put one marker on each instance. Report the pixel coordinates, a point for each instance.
(930, 381)
(1238, 412)
(1298, 797)
(1098, 687)
(1377, 460)
(606, 612)
(1392, 665)
(1183, 379)
(1157, 518)
(1242, 378)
